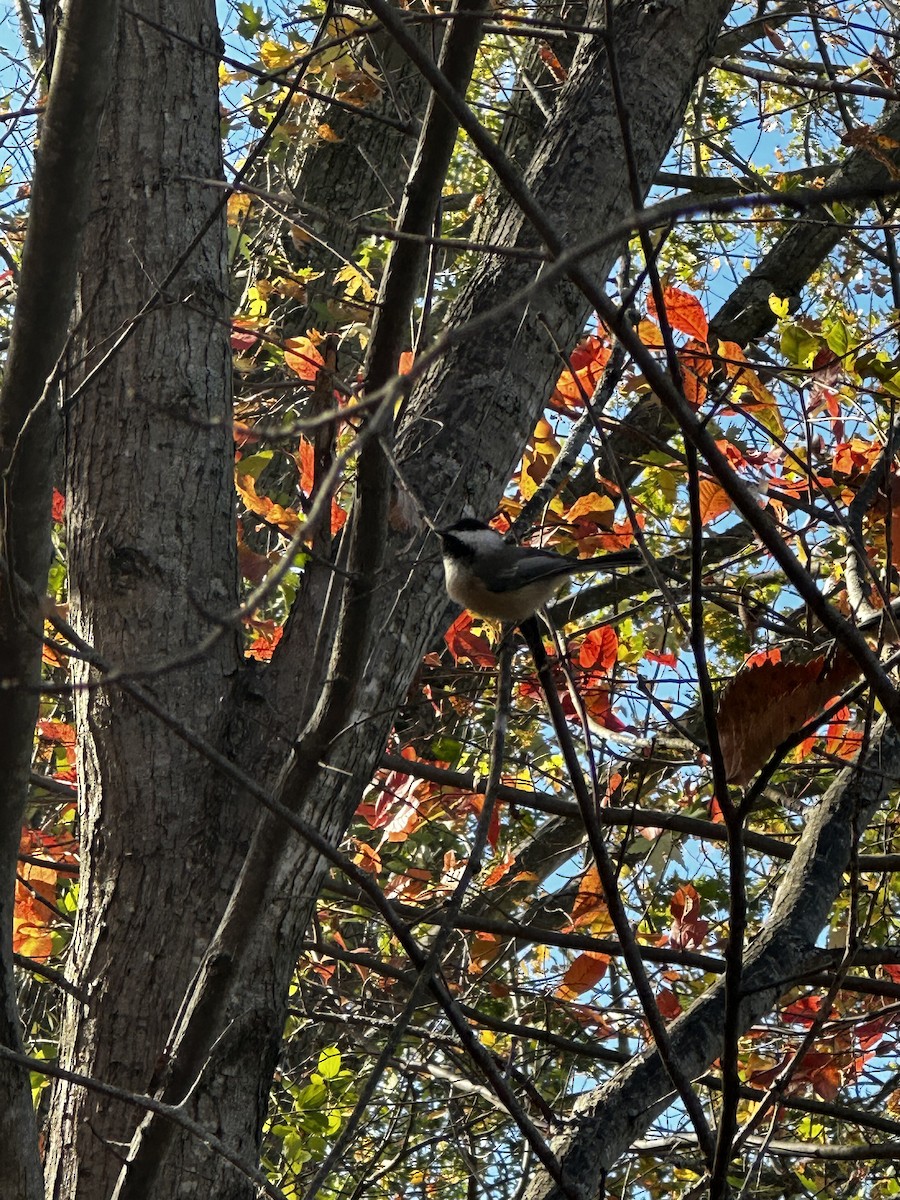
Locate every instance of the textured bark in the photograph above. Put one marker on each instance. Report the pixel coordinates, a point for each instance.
(28, 434)
(786, 269)
(151, 555)
(477, 406)
(338, 183)
(611, 1117)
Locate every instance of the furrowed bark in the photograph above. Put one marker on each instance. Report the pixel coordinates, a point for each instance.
(28, 434)
(151, 539)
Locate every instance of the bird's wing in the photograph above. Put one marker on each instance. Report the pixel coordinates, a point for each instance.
(530, 566)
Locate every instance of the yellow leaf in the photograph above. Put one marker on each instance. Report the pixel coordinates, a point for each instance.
(274, 57)
(238, 207)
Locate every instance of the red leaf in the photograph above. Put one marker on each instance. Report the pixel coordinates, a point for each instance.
(684, 312)
(463, 644)
(242, 340)
(664, 658)
(599, 649)
(688, 931)
(668, 1003)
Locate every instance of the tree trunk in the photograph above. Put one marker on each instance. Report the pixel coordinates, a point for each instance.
(28, 434)
(152, 561)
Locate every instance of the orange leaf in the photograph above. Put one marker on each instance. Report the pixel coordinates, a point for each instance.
(499, 872)
(367, 858)
(592, 507)
(713, 501)
(557, 70)
(285, 519)
(587, 362)
(684, 312)
(483, 949)
(263, 646)
(590, 907)
(696, 368)
(302, 357)
(737, 367)
(599, 649)
(584, 973)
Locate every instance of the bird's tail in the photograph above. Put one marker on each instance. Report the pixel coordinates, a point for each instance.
(616, 558)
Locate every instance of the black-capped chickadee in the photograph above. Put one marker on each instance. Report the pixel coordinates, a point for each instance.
(494, 578)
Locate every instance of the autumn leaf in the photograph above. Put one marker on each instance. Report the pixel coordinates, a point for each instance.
(263, 645)
(583, 974)
(590, 909)
(664, 658)
(593, 507)
(696, 368)
(557, 70)
(688, 931)
(587, 362)
(466, 646)
(285, 519)
(684, 312)
(598, 707)
(31, 935)
(714, 500)
(238, 207)
(499, 871)
(668, 1004)
(483, 949)
(768, 702)
(253, 567)
(274, 57)
(367, 858)
(243, 335)
(302, 357)
(738, 369)
(599, 650)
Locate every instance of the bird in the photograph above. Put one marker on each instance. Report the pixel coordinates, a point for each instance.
(494, 578)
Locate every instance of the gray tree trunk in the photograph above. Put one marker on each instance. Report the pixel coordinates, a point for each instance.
(152, 554)
(28, 433)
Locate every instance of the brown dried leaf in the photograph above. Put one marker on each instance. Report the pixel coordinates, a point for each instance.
(768, 702)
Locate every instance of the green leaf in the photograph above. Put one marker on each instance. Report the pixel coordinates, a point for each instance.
(837, 338)
(251, 21)
(329, 1062)
(255, 464)
(798, 346)
(312, 1096)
